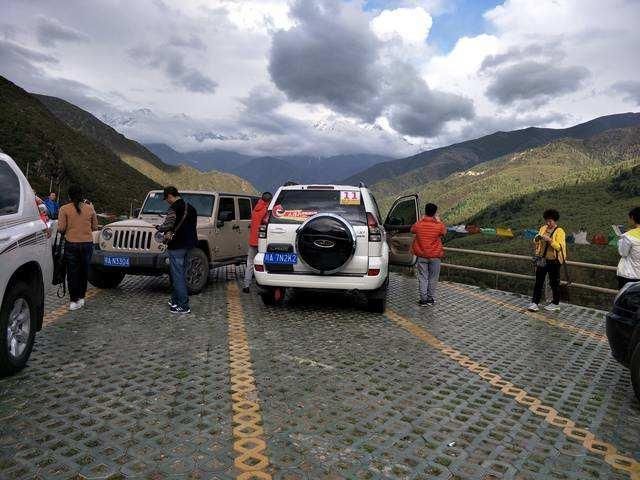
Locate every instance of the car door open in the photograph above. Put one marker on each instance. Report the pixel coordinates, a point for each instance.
(403, 214)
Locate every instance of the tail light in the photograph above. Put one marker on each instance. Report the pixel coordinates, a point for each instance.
(259, 268)
(262, 231)
(373, 272)
(375, 234)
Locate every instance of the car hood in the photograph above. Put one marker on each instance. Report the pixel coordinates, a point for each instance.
(132, 222)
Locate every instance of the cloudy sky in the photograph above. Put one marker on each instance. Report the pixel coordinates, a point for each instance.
(326, 76)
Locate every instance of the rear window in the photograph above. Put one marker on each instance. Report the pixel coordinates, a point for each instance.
(295, 206)
(156, 205)
(10, 191)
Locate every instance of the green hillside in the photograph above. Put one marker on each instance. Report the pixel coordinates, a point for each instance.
(558, 165)
(34, 137)
(411, 172)
(139, 157)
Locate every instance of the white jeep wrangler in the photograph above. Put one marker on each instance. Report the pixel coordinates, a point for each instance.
(332, 237)
(134, 247)
(26, 267)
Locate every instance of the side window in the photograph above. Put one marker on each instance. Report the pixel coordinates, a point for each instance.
(244, 207)
(403, 213)
(227, 205)
(10, 191)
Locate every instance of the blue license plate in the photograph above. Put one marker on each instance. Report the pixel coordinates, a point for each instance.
(276, 258)
(116, 261)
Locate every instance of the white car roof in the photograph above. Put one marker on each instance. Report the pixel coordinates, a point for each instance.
(312, 186)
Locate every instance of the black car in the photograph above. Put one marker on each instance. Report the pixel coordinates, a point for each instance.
(623, 331)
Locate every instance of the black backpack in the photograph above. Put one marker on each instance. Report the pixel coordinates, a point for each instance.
(59, 264)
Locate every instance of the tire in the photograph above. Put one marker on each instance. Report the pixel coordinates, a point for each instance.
(197, 271)
(105, 279)
(269, 297)
(376, 305)
(377, 300)
(634, 367)
(15, 347)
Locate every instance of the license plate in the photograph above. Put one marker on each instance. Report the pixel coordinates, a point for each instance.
(116, 261)
(276, 258)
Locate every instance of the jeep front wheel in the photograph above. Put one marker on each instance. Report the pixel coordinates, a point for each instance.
(17, 327)
(197, 271)
(105, 279)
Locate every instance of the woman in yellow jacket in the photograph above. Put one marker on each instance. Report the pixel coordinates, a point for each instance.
(551, 248)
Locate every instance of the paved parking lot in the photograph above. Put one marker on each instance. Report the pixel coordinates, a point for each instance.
(473, 388)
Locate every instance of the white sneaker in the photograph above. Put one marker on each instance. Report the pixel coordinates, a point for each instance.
(533, 307)
(81, 302)
(552, 307)
(75, 306)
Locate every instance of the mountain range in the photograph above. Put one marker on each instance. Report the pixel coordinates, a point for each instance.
(268, 173)
(138, 156)
(398, 175)
(54, 155)
(564, 163)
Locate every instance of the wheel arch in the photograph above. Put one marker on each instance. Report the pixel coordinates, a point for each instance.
(204, 246)
(31, 274)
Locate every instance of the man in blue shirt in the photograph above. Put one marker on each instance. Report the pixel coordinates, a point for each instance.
(52, 205)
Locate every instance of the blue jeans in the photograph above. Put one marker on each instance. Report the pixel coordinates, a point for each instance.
(178, 270)
(428, 274)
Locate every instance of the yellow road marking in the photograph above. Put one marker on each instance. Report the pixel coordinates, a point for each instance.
(251, 459)
(535, 405)
(549, 321)
(54, 315)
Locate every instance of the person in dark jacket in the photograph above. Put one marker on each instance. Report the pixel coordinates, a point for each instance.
(257, 215)
(181, 221)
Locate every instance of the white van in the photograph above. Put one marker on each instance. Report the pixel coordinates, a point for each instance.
(27, 267)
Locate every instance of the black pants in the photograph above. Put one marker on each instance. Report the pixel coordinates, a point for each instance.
(78, 257)
(553, 270)
(622, 281)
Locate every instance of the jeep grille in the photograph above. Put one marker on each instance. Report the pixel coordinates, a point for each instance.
(132, 239)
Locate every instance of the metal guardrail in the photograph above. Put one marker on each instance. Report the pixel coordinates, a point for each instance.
(582, 286)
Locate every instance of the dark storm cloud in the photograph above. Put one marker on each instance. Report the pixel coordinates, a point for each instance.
(50, 31)
(546, 51)
(171, 61)
(534, 81)
(329, 57)
(260, 113)
(332, 57)
(630, 89)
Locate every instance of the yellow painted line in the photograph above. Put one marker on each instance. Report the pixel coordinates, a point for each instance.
(535, 405)
(250, 447)
(548, 320)
(54, 315)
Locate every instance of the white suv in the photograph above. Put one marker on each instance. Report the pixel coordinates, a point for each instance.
(27, 267)
(331, 237)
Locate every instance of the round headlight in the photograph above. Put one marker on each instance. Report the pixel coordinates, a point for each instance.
(159, 236)
(107, 233)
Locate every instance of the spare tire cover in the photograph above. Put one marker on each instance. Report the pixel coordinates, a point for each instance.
(326, 243)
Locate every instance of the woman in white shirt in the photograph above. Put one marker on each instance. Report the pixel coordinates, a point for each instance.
(629, 249)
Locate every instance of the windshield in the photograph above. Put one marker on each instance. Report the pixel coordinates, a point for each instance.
(295, 206)
(156, 205)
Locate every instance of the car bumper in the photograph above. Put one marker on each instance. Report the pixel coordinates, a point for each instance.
(620, 332)
(140, 263)
(360, 282)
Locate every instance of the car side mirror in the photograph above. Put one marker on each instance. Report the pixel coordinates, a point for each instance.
(136, 212)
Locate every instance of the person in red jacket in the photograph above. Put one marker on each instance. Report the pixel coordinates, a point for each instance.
(427, 246)
(258, 213)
